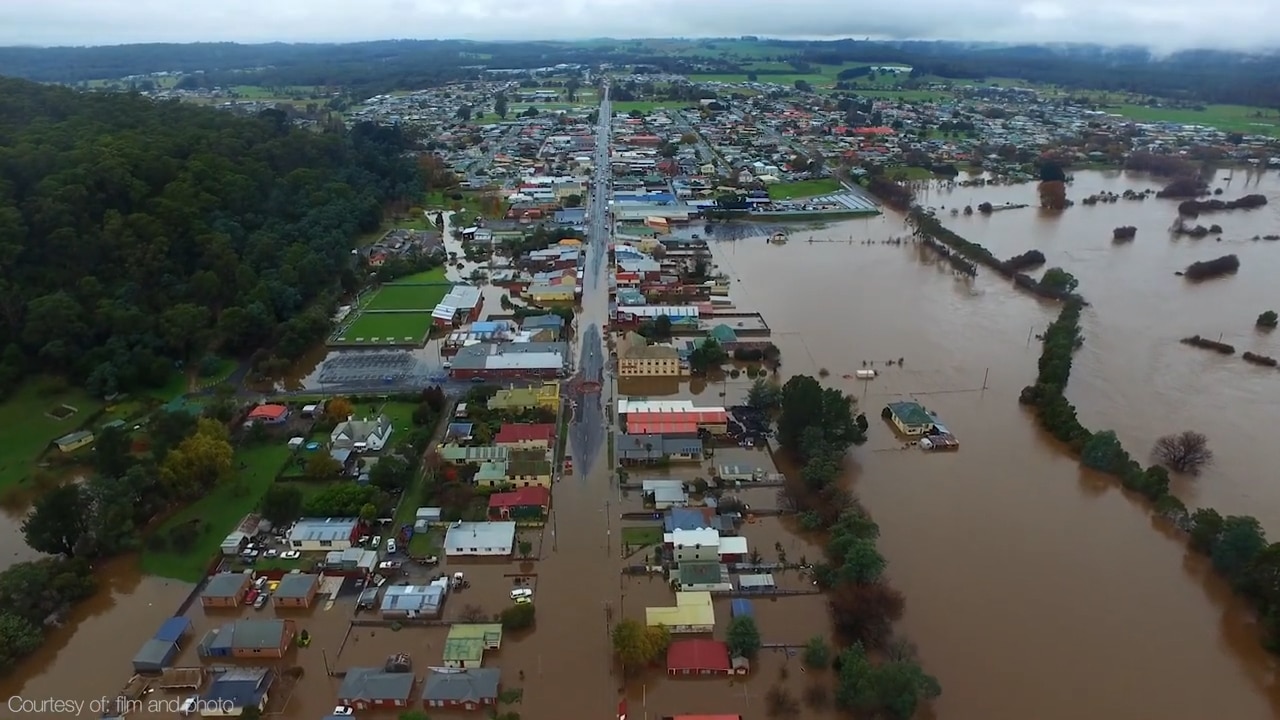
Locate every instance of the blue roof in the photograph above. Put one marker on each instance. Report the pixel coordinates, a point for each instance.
(173, 629)
(487, 326)
(239, 687)
(741, 607)
(684, 519)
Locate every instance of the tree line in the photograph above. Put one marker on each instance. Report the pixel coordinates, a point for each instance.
(137, 235)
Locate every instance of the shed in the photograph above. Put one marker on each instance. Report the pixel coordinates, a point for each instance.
(154, 656)
(756, 583)
(741, 607)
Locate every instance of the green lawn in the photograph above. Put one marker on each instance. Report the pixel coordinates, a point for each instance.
(434, 275)
(219, 511)
(1228, 118)
(402, 296)
(28, 429)
(387, 328)
(626, 106)
(426, 544)
(643, 536)
(803, 188)
(902, 172)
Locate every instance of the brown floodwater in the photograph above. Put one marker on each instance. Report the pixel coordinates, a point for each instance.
(1034, 589)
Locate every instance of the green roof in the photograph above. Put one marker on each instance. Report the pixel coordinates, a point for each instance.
(724, 334)
(910, 413)
(700, 572)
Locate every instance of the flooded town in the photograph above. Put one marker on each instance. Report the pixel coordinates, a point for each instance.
(556, 448)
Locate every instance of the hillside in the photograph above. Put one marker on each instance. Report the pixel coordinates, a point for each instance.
(135, 235)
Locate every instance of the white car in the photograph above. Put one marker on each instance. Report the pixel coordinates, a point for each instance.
(290, 555)
(343, 710)
(188, 705)
(377, 540)
(521, 593)
(391, 546)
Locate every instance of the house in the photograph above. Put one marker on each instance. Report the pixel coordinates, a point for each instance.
(526, 503)
(366, 688)
(692, 519)
(692, 613)
(637, 358)
(468, 690)
(653, 449)
(734, 549)
(495, 539)
(465, 645)
(547, 328)
(269, 414)
(665, 493)
(706, 575)
(74, 441)
(910, 418)
(698, 657)
(296, 590)
(529, 467)
(233, 691)
(158, 652)
(546, 396)
(251, 638)
(316, 534)
(352, 559)
(551, 292)
(225, 590)
(491, 474)
(413, 601)
(703, 544)
(362, 435)
(462, 305)
(523, 436)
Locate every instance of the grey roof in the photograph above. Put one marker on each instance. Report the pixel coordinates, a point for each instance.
(537, 322)
(224, 585)
(478, 357)
(296, 585)
(362, 430)
(407, 599)
(633, 447)
(251, 634)
(472, 685)
(155, 654)
(240, 687)
(320, 529)
(375, 684)
(464, 535)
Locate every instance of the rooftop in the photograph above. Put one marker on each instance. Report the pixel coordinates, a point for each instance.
(375, 684)
(910, 413)
(463, 535)
(474, 685)
(323, 529)
(224, 585)
(296, 585)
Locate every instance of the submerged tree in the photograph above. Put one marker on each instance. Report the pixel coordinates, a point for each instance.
(1184, 452)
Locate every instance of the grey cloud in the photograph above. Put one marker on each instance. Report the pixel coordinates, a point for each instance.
(1162, 24)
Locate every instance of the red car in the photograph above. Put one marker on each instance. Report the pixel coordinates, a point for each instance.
(250, 596)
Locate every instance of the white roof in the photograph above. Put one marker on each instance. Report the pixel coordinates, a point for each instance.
(524, 361)
(653, 311)
(627, 406)
(733, 545)
(705, 537)
(480, 534)
(757, 581)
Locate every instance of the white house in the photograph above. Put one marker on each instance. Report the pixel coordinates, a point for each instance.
(702, 544)
(480, 539)
(362, 435)
(316, 534)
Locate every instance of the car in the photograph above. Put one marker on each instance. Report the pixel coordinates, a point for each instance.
(377, 540)
(261, 602)
(343, 710)
(290, 555)
(272, 553)
(523, 600)
(518, 593)
(188, 705)
(477, 380)
(446, 364)
(251, 596)
(391, 546)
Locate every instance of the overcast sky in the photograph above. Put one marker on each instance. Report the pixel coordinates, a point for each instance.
(1163, 24)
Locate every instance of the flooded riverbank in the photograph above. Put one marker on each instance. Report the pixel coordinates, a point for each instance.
(1007, 551)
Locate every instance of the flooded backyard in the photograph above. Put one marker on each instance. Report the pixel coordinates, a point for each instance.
(1015, 562)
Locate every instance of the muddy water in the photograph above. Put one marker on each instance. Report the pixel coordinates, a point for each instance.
(1014, 562)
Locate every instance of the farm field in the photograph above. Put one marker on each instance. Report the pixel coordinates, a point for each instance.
(1229, 118)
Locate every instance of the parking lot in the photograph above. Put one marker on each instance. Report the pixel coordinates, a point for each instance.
(365, 367)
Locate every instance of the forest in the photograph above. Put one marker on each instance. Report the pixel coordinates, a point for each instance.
(138, 236)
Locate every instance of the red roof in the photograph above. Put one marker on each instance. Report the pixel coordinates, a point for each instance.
(520, 432)
(645, 426)
(698, 655)
(874, 131)
(532, 496)
(268, 412)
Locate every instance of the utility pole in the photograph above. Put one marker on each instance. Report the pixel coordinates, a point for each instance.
(985, 373)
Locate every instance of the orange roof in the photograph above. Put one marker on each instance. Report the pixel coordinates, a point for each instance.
(268, 412)
(645, 426)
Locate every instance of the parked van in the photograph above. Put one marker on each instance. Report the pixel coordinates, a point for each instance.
(521, 593)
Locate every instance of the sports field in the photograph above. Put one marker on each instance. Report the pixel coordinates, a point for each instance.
(386, 328)
(407, 297)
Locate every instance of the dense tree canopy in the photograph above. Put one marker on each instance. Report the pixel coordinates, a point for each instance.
(134, 235)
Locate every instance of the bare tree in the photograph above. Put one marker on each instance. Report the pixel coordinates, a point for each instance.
(1184, 452)
(473, 613)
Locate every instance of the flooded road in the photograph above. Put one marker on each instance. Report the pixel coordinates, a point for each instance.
(1015, 563)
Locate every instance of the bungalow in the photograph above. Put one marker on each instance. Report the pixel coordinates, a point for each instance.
(699, 657)
(269, 414)
(366, 688)
(526, 503)
(317, 534)
(708, 575)
(467, 690)
(665, 493)
(296, 590)
(492, 473)
(496, 539)
(362, 435)
(652, 449)
(693, 613)
(910, 418)
(235, 690)
(521, 435)
(465, 645)
(225, 590)
(74, 441)
(546, 395)
(251, 638)
(413, 601)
